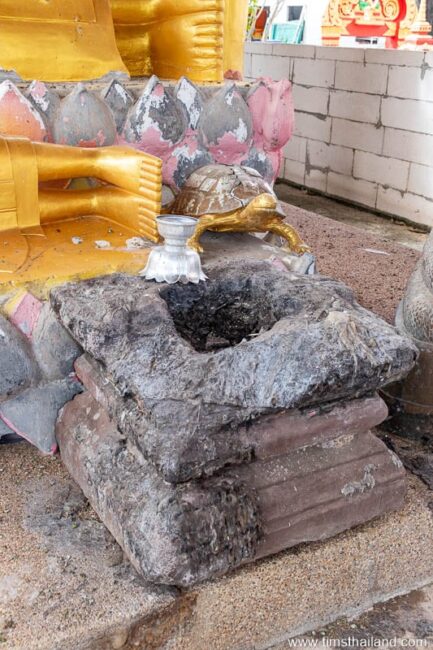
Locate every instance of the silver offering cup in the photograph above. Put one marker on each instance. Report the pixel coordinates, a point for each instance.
(174, 261)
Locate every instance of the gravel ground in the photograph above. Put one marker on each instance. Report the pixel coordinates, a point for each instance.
(375, 267)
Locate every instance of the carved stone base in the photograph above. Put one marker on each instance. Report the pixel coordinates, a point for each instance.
(182, 534)
(229, 420)
(187, 369)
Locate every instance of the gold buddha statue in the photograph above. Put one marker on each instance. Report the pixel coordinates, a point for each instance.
(75, 40)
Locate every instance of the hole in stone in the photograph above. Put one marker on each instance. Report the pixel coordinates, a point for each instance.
(219, 314)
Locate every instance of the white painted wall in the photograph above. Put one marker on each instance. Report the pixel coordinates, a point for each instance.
(315, 10)
(281, 16)
(364, 123)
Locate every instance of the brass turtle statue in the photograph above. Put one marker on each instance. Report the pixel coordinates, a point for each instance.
(233, 198)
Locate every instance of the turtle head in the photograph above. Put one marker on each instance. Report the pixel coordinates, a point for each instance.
(264, 201)
(262, 210)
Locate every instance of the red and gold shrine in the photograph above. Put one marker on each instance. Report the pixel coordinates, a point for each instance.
(389, 19)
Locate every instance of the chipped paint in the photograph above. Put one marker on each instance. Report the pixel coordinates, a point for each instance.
(39, 93)
(189, 95)
(183, 125)
(136, 242)
(272, 111)
(84, 120)
(18, 116)
(23, 311)
(241, 133)
(155, 124)
(119, 100)
(185, 158)
(339, 442)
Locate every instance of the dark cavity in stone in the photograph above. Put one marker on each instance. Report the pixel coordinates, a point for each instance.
(219, 315)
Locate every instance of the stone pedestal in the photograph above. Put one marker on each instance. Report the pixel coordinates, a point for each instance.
(228, 420)
(185, 533)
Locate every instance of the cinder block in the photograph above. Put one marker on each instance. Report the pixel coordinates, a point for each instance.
(421, 180)
(340, 53)
(379, 169)
(346, 187)
(249, 47)
(340, 159)
(361, 78)
(408, 114)
(258, 47)
(394, 57)
(410, 206)
(407, 145)
(311, 99)
(324, 156)
(314, 127)
(411, 83)
(296, 149)
(294, 171)
(276, 67)
(316, 179)
(317, 155)
(294, 51)
(360, 107)
(314, 73)
(357, 135)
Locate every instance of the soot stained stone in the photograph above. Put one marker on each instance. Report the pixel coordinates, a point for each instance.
(183, 534)
(187, 365)
(172, 534)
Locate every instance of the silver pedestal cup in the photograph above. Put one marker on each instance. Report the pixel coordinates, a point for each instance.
(174, 261)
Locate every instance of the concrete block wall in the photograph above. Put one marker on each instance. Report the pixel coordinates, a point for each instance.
(364, 123)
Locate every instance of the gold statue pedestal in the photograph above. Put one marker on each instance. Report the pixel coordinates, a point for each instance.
(45, 235)
(80, 248)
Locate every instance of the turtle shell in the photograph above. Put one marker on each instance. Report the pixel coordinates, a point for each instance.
(219, 189)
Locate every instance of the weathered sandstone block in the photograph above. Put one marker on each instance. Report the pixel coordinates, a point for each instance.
(183, 534)
(189, 368)
(271, 435)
